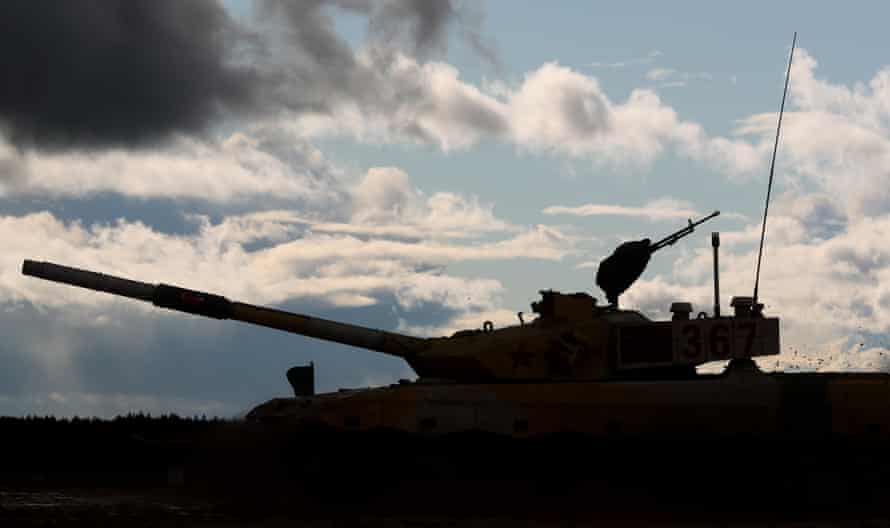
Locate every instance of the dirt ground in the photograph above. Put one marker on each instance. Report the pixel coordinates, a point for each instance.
(163, 507)
(143, 472)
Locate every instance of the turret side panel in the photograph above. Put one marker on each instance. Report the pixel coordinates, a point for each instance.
(695, 341)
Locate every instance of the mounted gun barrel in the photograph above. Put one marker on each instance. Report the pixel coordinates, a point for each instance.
(623, 267)
(677, 235)
(218, 307)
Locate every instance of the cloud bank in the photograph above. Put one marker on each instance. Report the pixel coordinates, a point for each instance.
(662, 209)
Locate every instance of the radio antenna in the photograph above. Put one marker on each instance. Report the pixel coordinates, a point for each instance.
(772, 168)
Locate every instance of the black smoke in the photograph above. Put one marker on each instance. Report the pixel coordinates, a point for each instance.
(426, 21)
(109, 72)
(128, 73)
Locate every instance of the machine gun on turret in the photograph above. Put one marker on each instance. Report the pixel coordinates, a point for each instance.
(623, 267)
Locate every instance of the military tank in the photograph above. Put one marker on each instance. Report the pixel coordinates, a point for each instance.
(577, 366)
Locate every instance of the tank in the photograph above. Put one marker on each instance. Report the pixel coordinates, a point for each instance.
(578, 366)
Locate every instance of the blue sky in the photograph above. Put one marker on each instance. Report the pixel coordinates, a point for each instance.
(356, 169)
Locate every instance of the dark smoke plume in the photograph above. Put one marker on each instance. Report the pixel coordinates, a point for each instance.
(109, 72)
(427, 22)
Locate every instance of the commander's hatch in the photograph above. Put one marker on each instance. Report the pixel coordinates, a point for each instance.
(556, 307)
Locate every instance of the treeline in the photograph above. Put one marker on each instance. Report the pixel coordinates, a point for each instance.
(128, 421)
(139, 417)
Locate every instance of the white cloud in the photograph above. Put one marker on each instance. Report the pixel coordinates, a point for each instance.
(216, 259)
(395, 241)
(659, 74)
(473, 319)
(648, 58)
(231, 170)
(385, 199)
(310, 251)
(413, 102)
(660, 209)
(554, 109)
(557, 106)
(664, 208)
(834, 139)
(669, 77)
(867, 105)
(559, 110)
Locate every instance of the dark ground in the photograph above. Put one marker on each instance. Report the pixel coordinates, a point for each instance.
(139, 471)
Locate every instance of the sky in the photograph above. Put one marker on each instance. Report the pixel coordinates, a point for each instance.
(421, 167)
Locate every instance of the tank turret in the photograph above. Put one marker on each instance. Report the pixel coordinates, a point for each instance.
(571, 339)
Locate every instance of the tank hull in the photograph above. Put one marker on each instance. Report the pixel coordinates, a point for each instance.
(744, 401)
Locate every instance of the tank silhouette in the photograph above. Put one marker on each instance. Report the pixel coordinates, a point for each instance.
(577, 366)
(571, 339)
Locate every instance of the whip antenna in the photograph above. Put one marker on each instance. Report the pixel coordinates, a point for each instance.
(772, 167)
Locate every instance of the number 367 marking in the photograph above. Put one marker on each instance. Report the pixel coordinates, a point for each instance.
(715, 340)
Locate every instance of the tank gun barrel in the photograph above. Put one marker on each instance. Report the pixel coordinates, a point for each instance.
(218, 307)
(677, 235)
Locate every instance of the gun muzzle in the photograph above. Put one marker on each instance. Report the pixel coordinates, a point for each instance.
(89, 279)
(162, 295)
